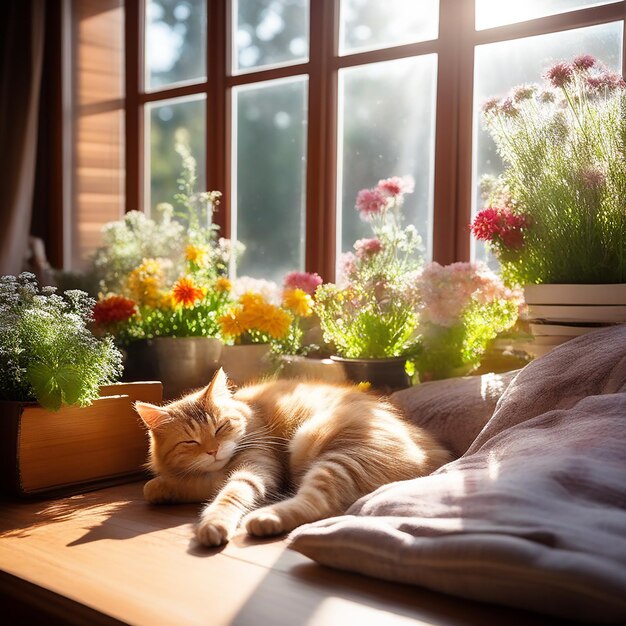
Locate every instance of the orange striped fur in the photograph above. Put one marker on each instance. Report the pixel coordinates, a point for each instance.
(324, 445)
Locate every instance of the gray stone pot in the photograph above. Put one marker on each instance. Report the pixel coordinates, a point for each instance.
(181, 363)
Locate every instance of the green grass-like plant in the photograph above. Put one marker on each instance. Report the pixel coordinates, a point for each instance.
(556, 215)
(47, 352)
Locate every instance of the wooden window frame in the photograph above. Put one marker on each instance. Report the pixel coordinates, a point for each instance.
(454, 115)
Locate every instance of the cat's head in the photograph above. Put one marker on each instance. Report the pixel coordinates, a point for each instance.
(198, 433)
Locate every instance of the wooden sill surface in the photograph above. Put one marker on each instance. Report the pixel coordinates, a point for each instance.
(108, 557)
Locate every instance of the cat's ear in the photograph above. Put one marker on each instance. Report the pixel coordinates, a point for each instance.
(218, 388)
(152, 416)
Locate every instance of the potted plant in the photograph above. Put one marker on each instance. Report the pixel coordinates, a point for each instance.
(249, 327)
(370, 316)
(302, 354)
(462, 307)
(61, 414)
(555, 217)
(168, 334)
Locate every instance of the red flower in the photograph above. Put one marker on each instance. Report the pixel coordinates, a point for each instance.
(500, 226)
(113, 309)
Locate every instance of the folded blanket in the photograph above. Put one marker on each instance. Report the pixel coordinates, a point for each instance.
(533, 515)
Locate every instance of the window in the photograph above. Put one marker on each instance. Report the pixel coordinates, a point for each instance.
(291, 106)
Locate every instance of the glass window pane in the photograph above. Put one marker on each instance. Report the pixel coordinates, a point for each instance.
(175, 42)
(490, 13)
(387, 128)
(269, 166)
(371, 24)
(170, 122)
(501, 66)
(269, 33)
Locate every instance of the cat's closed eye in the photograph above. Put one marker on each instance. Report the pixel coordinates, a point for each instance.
(220, 427)
(191, 442)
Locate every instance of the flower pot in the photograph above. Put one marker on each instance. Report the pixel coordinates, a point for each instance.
(310, 368)
(383, 374)
(181, 363)
(75, 449)
(559, 313)
(245, 364)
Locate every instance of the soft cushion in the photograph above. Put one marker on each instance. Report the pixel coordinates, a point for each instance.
(533, 515)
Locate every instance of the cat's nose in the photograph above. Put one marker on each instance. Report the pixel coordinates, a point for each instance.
(212, 452)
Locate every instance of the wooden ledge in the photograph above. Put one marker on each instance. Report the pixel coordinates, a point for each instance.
(107, 557)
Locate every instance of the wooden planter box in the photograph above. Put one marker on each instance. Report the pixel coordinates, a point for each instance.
(75, 449)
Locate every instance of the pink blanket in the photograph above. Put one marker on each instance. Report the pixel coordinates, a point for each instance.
(532, 515)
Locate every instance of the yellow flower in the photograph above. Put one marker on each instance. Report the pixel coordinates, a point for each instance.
(251, 299)
(196, 254)
(223, 285)
(364, 386)
(231, 324)
(299, 302)
(145, 281)
(186, 292)
(276, 322)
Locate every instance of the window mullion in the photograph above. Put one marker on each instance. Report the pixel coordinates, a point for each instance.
(320, 249)
(453, 144)
(217, 113)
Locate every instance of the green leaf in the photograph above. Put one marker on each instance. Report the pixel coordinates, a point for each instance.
(48, 394)
(70, 381)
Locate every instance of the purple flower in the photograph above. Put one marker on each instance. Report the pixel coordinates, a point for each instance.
(583, 62)
(559, 74)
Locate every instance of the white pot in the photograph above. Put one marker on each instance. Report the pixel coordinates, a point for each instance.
(308, 368)
(560, 312)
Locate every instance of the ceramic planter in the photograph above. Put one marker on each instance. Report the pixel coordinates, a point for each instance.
(383, 374)
(181, 363)
(559, 313)
(246, 363)
(75, 449)
(310, 368)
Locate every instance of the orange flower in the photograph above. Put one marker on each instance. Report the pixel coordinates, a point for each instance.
(196, 254)
(298, 302)
(223, 285)
(185, 292)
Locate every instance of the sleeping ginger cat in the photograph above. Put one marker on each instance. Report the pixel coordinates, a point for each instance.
(330, 444)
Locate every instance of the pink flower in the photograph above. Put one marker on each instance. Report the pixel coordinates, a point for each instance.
(396, 186)
(307, 281)
(371, 202)
(524, 92)
(593, 177)
(584, 62)
(490, 105)
(546, 97)
(508, 108)
(560, 74)
(609, 81)
(347, 265)
(367, 247)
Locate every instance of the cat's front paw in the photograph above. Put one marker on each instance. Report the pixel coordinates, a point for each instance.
(211, 533)
(159, 491)
(264, 523)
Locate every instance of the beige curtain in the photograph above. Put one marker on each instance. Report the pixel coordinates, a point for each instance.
(21, 49)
